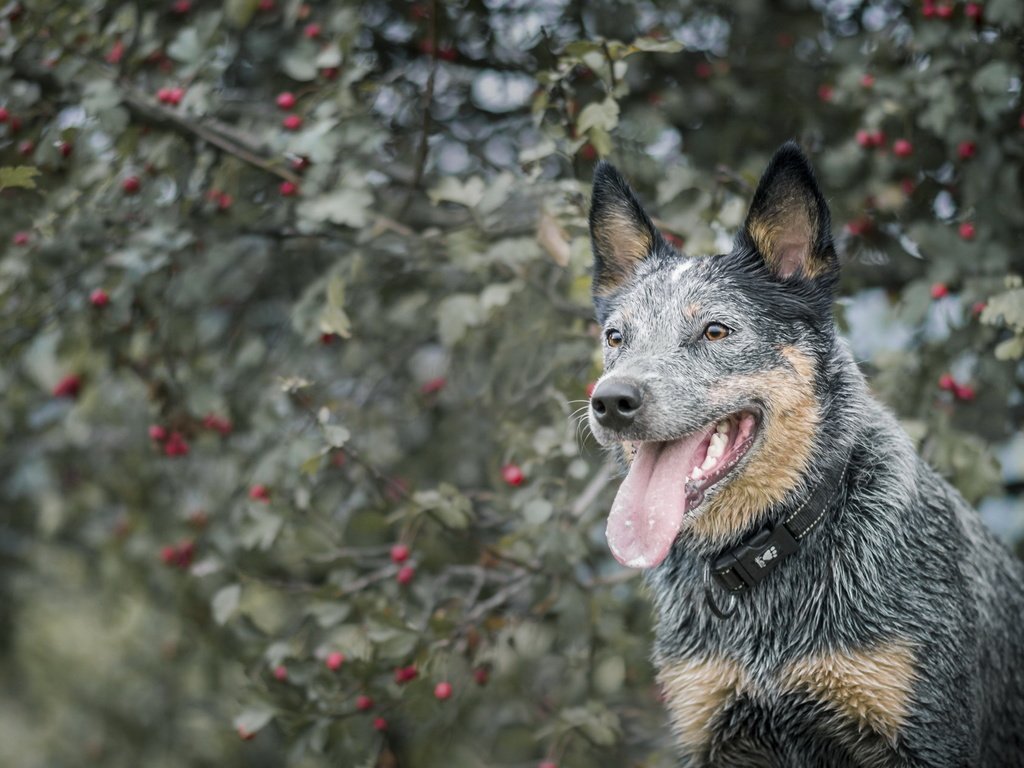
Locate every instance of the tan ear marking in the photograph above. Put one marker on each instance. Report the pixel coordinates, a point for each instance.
(625, 243)
(786, 237)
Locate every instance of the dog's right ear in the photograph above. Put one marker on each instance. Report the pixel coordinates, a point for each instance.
(621, 233)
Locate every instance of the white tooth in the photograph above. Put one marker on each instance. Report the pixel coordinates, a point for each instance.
(716, 449)
(723, 427)
(709, 462)
(697, 474)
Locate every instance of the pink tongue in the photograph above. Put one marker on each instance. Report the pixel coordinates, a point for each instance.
(649, 507)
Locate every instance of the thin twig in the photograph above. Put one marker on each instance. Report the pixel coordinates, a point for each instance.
(428, 99)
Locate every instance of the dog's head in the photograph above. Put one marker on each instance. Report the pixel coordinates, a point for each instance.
(711, 362)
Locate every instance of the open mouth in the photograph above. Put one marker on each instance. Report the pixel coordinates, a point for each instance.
(666, 480)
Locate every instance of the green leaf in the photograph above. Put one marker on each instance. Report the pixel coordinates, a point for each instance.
(225, 603)
(18, 177)
(252, 720)
(603, 115)
(336, 436)
(348, 206)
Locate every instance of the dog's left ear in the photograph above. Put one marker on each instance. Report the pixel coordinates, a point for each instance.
(621, 233)
(788, 222)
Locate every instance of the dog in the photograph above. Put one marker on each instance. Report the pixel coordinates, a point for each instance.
(823, 597)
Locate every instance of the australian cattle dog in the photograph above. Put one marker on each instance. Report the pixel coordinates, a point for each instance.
(823, 597)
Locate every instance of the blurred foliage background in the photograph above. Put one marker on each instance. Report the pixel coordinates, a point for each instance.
(286, 284)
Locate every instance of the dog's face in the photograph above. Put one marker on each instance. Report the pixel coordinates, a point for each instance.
(710, 362)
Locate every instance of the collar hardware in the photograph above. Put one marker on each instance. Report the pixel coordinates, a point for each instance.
(753, 560)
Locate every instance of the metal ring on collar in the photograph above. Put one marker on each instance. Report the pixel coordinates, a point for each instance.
(710, 598)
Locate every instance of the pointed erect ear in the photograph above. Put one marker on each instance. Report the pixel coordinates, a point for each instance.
(621, 233)
(788, 222)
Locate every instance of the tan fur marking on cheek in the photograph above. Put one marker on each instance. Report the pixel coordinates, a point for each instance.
(871, 686)
(695, 691)
(629, 450)
(787, 436)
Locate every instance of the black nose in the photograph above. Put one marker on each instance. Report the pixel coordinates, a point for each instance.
(616, 403)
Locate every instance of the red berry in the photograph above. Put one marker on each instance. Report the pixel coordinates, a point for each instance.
(168, 555)
(116, 53)
(867, 80)
(266, 5)
(902, 148)
(947, 383)
(286, 100)
(967, 230)
(131, 185)
(69, 386)
(300, 163)
(405, 574)
(217, 424)
(185, 553)
(978, 307)
(280, 673)
(512, 474)
(944, 11)
(406, 674)
(175, 95)
(327, 339)
(4, 114)
(65, 149)
(877, 139)
(908, 186)
(588, 152)
(20, 238)
(703, 70)
(481, 675)
(1020, 121)
(334, 660)
(329, 73)
(863, 139)
(928, 9)
(939, 290)
(181, 7)
(176, 445)
(224, 201)
(399, 553)
(859, 226)
(157, 433)
(547, 764)
(292, 122)
(825, 92)
(446, 52)
(973, 10)
(965, 150)
(312, 31)
(289, 188)
(964, 392)
(380, 724)
(364, 703)
(27, 147)
(431, 386)
(443, 691)
(163, 95)
(259, 493)
(99, 298)
(244, 735)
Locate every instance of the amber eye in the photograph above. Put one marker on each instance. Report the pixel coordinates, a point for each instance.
(716, 332)
(613, 337)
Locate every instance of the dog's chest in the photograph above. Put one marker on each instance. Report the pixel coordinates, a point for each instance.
(716, 698)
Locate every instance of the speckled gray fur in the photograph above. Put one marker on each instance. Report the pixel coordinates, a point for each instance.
(900, 556)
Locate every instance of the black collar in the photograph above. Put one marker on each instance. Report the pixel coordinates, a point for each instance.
(749, 563)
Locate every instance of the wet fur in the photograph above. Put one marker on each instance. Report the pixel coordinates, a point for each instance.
(893, 637)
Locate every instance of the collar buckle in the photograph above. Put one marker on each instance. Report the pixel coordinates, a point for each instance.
(749, 563)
